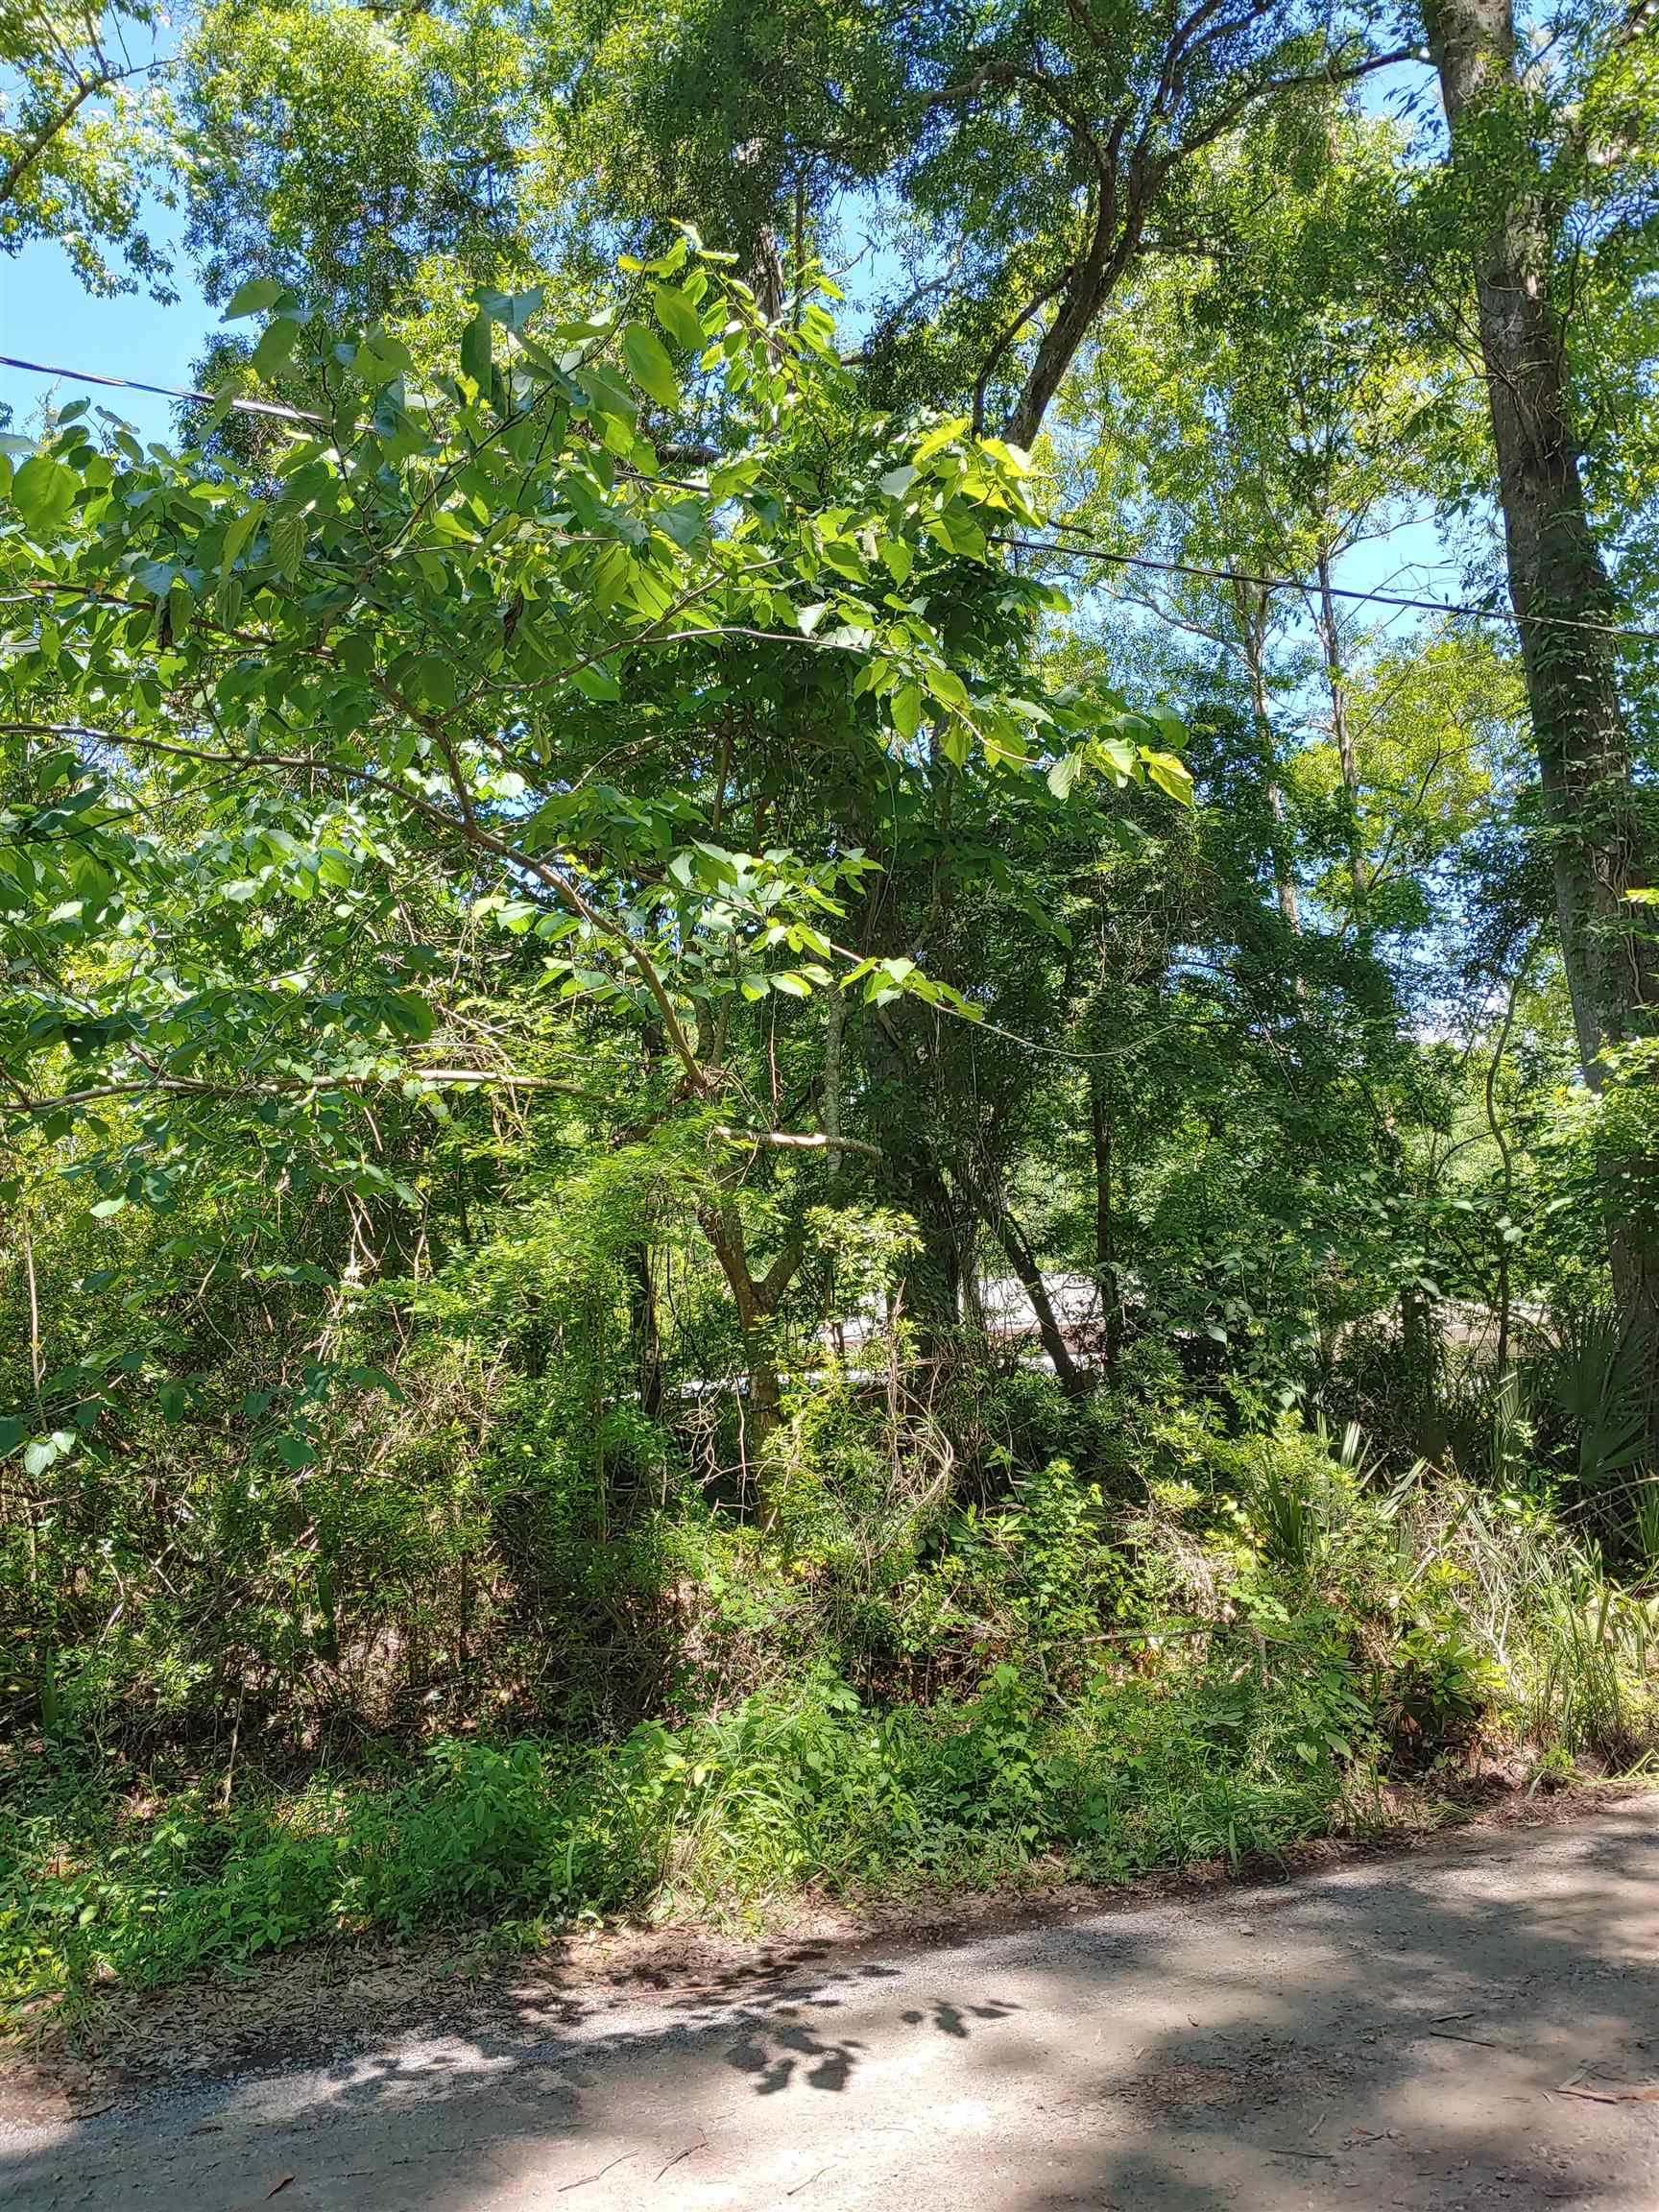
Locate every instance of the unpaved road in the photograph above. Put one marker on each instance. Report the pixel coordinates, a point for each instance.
(1398, 2032)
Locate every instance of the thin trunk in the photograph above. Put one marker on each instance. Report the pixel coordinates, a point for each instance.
(644, 1329)
(41, 1600)
(799, 271)
(764, 1412)
(1106, 1225)
(756, 1298)
(1284, 878)
(36, 1369)
(1489, 1092)
(1561, 591)
(1417, 1350)
(1023, 1261)
(898, 1105)
(1341, 727)
(835, 1036)
(994, 1211)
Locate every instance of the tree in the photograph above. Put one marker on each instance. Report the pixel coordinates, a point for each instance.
(1510, 197)
(85, 128)
(1040, 153)
(374, 160)
(482, 613)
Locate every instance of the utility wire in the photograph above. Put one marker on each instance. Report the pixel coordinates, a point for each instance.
(164, 391)
(1110, 555)
(1088, 551)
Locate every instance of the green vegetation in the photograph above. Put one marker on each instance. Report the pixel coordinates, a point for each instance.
(781, 1103)
(1352, 1635)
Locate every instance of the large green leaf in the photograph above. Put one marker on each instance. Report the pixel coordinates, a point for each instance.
(649, 365)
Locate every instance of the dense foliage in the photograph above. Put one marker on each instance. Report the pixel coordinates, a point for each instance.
(791, 1090)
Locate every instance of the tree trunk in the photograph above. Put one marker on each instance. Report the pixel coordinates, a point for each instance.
(756, 1298)
(764, 1411)
(1284, 875)
(1341, 728)
(835, 1034)
(1023, 1261)
(1008, 1232)
(1557, 580)
(1106, 1226)
(1422, 1367)
(643, 1329)
(898, 1107)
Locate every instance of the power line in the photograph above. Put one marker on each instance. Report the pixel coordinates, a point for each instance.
(1089, 551)
(1117, 559)
(164, 391)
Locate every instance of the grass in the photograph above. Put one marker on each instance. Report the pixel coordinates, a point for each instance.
(786, 1790)
(1353, 1632)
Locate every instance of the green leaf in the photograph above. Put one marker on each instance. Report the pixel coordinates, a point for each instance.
(254, 297)
(382, 357)
(240, 529)
(1169, 774)
(288, 543)
(947, 686)
(275, 345)
(906, 709)
(597, 684)
(180, 607)
(944, 435)
(649, 365)
(432, 681)
(513, 310)
(677, 312)
(477, 346)
(106, 1206)
(685, 523)
(897, 558)
(43, 492)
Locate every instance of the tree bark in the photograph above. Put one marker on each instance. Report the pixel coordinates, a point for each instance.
(1341, 728)
(1106, 1225)
(897, 1106)
(756, 1298)
(1252, 633)
(993, 1210)
(1023, 1261)
(1561, 591)
(644, 1329)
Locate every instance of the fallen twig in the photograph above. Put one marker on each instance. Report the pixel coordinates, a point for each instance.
(568, 2186)
(685, 2153)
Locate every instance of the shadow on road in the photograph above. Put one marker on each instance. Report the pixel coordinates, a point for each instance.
(1399, 2033)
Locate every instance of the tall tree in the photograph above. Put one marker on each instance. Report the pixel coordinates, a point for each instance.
(1040, 150)
(1512, 162)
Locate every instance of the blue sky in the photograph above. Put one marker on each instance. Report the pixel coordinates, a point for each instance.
(47, 315)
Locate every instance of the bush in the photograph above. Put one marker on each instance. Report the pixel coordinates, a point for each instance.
(889, 1687)
(1211, 1760)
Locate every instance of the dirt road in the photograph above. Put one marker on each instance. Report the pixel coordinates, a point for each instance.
(1461, 2027)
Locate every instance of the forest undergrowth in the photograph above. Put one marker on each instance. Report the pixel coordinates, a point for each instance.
(1162, 1645)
